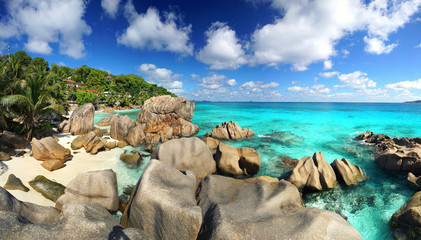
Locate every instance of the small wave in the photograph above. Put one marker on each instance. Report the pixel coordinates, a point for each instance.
(355, 133)
(263, 136)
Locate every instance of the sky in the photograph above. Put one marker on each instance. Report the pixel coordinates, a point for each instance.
(232, 50)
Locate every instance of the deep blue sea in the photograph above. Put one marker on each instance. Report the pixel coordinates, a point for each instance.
(300, 129)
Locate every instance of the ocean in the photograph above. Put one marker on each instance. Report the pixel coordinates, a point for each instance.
(298, 130)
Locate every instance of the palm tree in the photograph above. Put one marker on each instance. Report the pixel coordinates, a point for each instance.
(34, 101)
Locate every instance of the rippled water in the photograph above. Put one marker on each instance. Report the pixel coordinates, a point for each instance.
(300, 129)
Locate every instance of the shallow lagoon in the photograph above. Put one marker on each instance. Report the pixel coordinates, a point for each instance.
(300, 129)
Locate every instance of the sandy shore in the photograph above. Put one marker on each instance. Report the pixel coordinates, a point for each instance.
(27, 168)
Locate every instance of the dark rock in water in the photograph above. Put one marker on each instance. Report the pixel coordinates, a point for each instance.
(406, 222)
(131, 158)
(163, 203)
(4, 157)
(49, 189)
(289, 162)
(148, 149)
(14, 183)
(3, 168)
(186, 154)
(348, 173)
(263, 208)
(77, 221)
(370, 137)
(82, 119)
(13, 141)
(125, 197)
(32, 212)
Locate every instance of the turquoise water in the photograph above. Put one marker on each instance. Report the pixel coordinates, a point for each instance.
(300, 129)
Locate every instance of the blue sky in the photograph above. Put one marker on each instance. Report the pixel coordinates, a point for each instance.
(233, 50)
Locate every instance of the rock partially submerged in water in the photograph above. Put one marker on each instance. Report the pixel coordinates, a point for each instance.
(92, 187)
(49, 189)
(406, 222)
(348, 173)
(82, 119)
(49, 149)
(163, 203)
(313, 173)
(107, 121)
(370, 137)
(259, 209)
(230, 130)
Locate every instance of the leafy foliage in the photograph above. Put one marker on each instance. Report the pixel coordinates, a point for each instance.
(83, 97)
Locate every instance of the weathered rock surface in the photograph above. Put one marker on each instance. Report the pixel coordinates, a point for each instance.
(107, 121)
(348, 173)
(49, 189)
(49, 149)
(77, 143)
(370, 137)
(313, 173)
(234, 161)
(121, 127)
(14, 183)
(3, 168)
(77, 221)
(186, 154)
(131, 158)
(212, 143)
(230, 130)
(110, 144)
(92, 143)
(163, 203)
(4, 156)
(263, 208)
(82, 119)
(64, 127)
(406, 222)
(52, 165)
(414, 179)
(165, 118)
(92, 187)
(30, 211)
(13, 141)
(136, 135)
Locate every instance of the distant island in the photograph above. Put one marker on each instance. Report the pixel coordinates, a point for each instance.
(416, 101)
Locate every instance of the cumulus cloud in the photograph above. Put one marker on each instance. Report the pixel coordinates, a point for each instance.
(377, 46)
(405, 85)
(327, 65)
(329, 74)
(297, 89)
(148, 31)
(110, 7)
(356, 80)
(162, 76)
(258, 86)
(222, 51)
(232, 82)
(45, 22)
(316, 90)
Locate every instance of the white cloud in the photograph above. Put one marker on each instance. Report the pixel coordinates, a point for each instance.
(356, 80)
(222, 51)
(61, 64)
(377, 46)
(147, 31)
(329, 74)
(110, 7)
(299, 68)
(213, 81)
(405, 85)
(327, 65)
(316, 90)
(295, 82)
(232, 82)
(345, 52)
(377, 91)
(164, 77)
(418, 46)
(297, 89)
(258, 86)
(45, 22)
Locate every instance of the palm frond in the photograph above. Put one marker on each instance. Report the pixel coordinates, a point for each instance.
(14, 99)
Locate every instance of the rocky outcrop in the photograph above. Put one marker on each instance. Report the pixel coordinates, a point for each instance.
(82, 119)
(92, 187)
(406, 222)
(186, 154)
(14, 183)
(166, 117)
(52, 165)
(163, 203)
(76, 221)
(212, 143)
(348, 173)
(230, 130)
(107, 121)
(49, 149)
(414, 179)
(370, 137)
(313, 173)
(263, 208)
(121, 127)
(92, 143)
(136, 135)
(29, 211)
(13, 141)
(49, 189)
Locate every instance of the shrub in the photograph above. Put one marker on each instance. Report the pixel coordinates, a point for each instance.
(83, 97)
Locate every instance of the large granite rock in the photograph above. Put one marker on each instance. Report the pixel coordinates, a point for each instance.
(234, 161)
(163, 203)
(77, 221)
(121, 127)
(186, 154)
(49, 189)
(136, 135)
(165, 118)
(64, 127)
(107, 121)
(92, 187)
(77, 143)
(348, 173)
(313, 173)
(82, 119)
(49, 149)
(230, 130)
(12, 140)
(370, 137)
(52, 165)
(30, 211)
(406, 222)
(264, 208)
(92, 143)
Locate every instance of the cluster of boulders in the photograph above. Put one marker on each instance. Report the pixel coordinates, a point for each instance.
(316, 174)
(230, 130)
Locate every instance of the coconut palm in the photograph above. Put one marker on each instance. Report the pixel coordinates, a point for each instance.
(34, 101)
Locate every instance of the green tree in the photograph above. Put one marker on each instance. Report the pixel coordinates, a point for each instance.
(83, 97)
(23, 58)
(38, 61)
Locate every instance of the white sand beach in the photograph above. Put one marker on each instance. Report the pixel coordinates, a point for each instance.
(27, 168)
